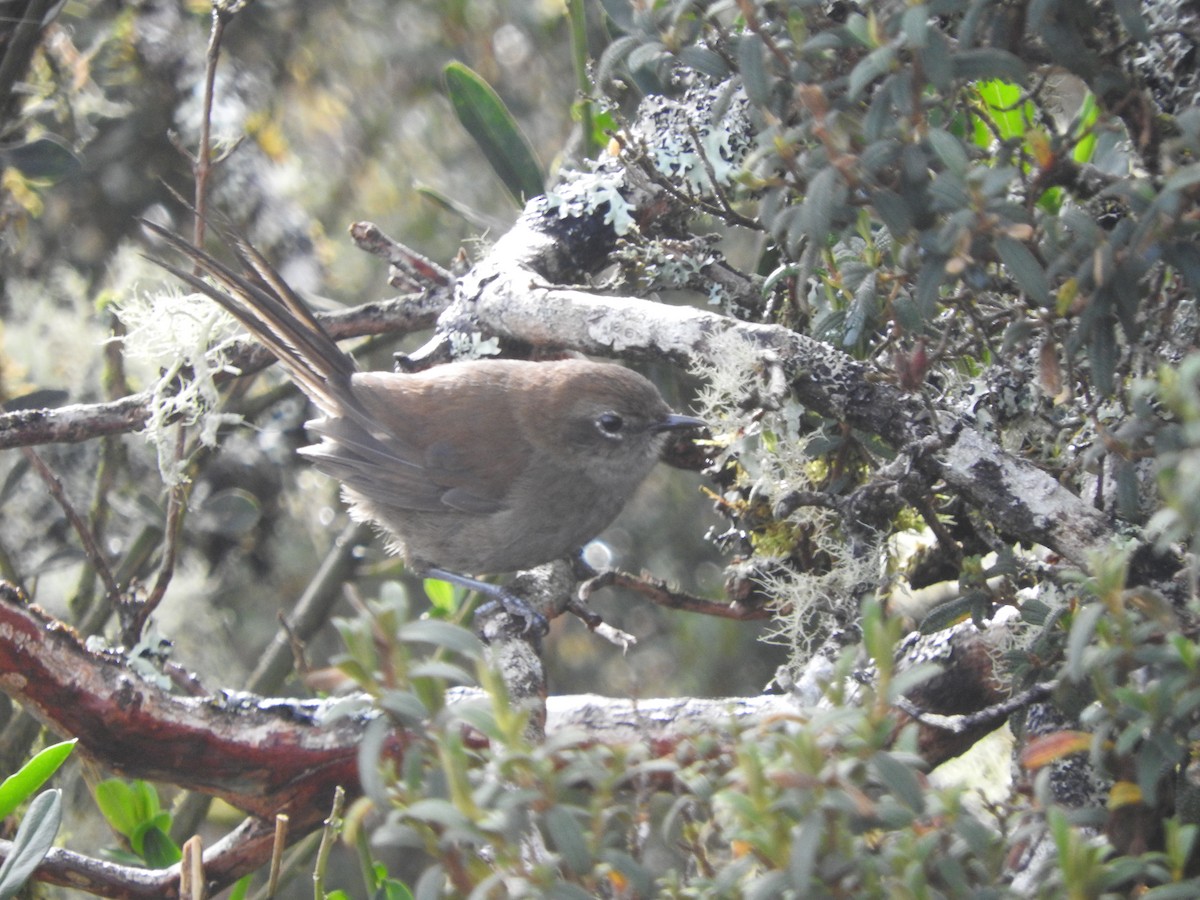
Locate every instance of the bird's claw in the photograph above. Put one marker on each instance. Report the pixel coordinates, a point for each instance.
(535, 624)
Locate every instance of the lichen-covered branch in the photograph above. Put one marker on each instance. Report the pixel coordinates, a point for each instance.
(88, 421)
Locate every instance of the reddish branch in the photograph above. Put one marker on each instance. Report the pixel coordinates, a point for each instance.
(261, 756)
(267, 757)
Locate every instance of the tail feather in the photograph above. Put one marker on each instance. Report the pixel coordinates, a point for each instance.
(273, 313)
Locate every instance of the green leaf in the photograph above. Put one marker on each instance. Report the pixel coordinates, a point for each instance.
(900, 779)
(1011, 117)
(566, 837)
(949, 150)
(1082, 629)
(752, 65)
(946, 614)
(405, 706)
(42, 160)
(436, 668)
(441, 595)
(20, 786)
(157, 848)
(876, 63)
(987, 62)
(806, 843)
(1024, 268)
(912, 677)
(241, 887)
(116, 802)
(35, 837)
(704, 60)
(486, 118)
(442, 634)
(434, 811)
(393, 890)
(1089, 114)
(825, 194)
(1103, 352)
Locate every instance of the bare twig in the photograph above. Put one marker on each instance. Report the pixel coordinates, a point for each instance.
(176, 498)
(86, 537)
(412, 271)
(202, 166)
(657, 591)
(989, 717)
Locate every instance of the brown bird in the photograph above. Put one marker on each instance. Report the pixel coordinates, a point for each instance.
(472, 468)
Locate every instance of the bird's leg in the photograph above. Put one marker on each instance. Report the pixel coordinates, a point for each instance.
(534, 621)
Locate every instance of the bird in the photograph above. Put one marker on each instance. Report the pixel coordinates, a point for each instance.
(471, 468)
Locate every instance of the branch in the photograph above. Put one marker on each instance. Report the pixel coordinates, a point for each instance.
(86, 421)
(268, 757)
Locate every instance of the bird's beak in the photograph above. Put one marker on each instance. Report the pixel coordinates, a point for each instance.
(674, 422)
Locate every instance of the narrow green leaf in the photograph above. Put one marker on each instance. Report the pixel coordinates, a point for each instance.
(900, 779)
(987, 62)
(35, 837)
(946, 614)
(1082, 628)
(949, 150)
(704, 60)
(1103, 351)
(42, 160)
(806, 843)
(821, 201)
(912, 677)
(22, 784)
(752, 65)
(863, 311)
(405, 706)
(914, 25)
(1089, 114)
(442, 634)
(1024, 267)
(486, 118)
(436, 668)
(567, 837)
(437, 812)
(876, 63)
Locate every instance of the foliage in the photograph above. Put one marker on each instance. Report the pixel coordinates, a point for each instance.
(994, 205)
(33, 841)
(35, 835)
(19, 787)
(132, 809)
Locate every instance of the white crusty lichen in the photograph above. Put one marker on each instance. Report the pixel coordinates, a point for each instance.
(472, 345)
(581, 194)
(701, 140)
(179, 342)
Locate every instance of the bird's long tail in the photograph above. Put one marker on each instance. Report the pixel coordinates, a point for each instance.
(262, 301)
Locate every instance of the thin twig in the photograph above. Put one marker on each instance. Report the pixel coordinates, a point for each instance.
(657, 591)
(171, 530)
(988, 716)
(90, 546)
(202, 169)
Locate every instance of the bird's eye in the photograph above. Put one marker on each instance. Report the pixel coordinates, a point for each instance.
(610, 423)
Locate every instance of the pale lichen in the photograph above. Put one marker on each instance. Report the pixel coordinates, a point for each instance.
(180, 341)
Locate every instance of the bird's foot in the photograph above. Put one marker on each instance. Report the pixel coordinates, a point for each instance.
(499, 597)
